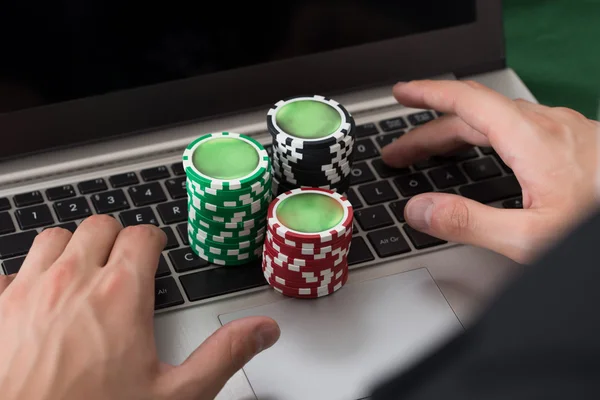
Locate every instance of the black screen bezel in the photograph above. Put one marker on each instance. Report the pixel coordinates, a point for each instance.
(470, 48)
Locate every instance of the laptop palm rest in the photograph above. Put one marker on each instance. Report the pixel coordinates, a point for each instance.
(338, 347)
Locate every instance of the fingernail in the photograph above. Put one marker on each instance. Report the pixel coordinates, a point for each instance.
(266, 336)
(418, 213)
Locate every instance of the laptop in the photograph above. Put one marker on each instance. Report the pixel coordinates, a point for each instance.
(99, 100)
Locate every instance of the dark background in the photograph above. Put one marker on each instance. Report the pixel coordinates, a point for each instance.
(62, 50)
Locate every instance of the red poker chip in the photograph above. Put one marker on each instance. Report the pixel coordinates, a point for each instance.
(307, 246)
(303, 285)
(309, 293)
(309, 250)
(310, 267)
(304, 263)
(279, 229)
(298, 279)
(307, 254)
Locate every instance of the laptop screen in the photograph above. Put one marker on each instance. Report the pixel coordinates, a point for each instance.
(58, 51)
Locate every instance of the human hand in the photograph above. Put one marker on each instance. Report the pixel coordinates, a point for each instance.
(552, 151)
(76, 323)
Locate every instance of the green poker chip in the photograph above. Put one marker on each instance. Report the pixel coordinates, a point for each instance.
(225, 160)
(229, 190)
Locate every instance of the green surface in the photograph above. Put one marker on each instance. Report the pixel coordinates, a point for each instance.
(310, 212)
(554, 46)
(225, 158)
(308, 119)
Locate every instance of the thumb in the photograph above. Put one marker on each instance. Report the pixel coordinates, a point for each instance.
(460, 220)
(218, 358)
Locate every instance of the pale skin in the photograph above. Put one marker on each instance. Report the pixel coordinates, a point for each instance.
(77, 321)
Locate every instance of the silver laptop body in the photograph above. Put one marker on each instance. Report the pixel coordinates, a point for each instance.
(75, 143)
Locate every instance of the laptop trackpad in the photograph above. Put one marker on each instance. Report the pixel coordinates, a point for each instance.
(340, 346)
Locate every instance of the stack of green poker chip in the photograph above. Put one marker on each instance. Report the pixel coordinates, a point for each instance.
(229, 192)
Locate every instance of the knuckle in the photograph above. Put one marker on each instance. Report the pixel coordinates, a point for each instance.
(568, 112)
(141, 231)
(100, 220)
(115, 282)
(53, 233)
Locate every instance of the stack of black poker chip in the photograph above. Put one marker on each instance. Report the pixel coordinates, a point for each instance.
(324, 162)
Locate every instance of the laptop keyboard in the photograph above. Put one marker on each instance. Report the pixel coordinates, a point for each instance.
(158, 196)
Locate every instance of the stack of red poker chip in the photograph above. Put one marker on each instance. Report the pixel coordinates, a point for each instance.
(301, 263)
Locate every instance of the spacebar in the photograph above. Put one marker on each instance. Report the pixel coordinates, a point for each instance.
(222, 280)
(492, 190)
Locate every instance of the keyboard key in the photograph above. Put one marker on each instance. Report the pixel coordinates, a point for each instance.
(420, 118)
(421, 240)
(166, 293)
(487, 150)
(377, 192)
(482, 168)
(361, 173)
(140, 216)
(393, 124)
(431, 162)
(365, 130)
(111, 201)
(13, 265)
(384, 140)
(174, 211)
(359, 252)
(386, 171)
(152, 174)
(223, 280)
(176, 187)
(163, 267)
(413, 184)
(171, 238)
(34, 217)
(70, 226)
(492, 190)
(513, 203)
(373, 217)
(177, 169)
(185, 259)
(148, 193)
(60, 192)
(4, 204)
(388, 242)
(182, 229)
(446, 177)
(503, 164)
(462, 155)
(16, 244)
(398, 207)
(28, 199)
(354, 229)
(68, 210)
(126, 179)
(365, 149)
(92, 186)
(354, 199)
(6, 223)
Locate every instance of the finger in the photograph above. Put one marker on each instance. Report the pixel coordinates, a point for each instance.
(457, 219)
(218, 358)
(5, 280)
(138, 249)
(494, 115)
(440, 136)
(92, 241)
(47, 247)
